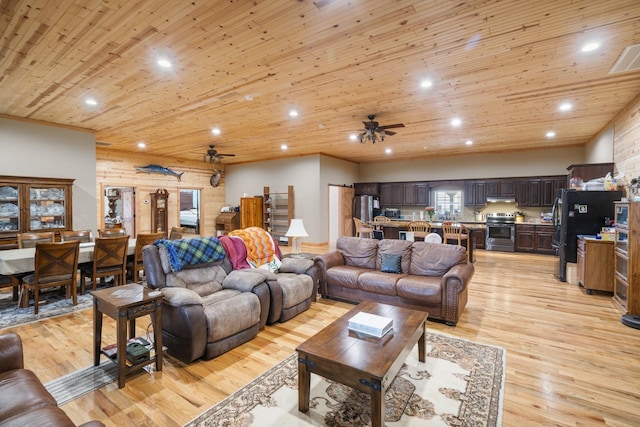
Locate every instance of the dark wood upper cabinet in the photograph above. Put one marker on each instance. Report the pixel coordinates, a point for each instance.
(501, 187)
(589, 171)
(422, 194)
(392, 194)
(366, 189)
(475, 193)
(416, 193)
(528, 192)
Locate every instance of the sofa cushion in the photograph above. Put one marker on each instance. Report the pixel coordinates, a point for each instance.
(420, 288)
(344, 275)
(395, 247)
(435, 259)
(358, 252)
(22, 393)
(296, 288)
(378, 282)
(229, 312)
(390, 263)
(204, 281)
(295, 265)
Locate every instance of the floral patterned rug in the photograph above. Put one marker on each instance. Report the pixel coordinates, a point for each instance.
(51, 304)
(460, 384)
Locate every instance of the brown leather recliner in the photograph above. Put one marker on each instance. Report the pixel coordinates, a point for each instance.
(24, 401)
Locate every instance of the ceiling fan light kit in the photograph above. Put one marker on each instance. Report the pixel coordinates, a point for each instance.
(374, 133)
(213, 155)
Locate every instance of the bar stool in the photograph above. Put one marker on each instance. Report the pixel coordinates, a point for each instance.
(362, 228)
(457, 232)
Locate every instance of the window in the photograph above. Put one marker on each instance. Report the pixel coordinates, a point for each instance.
(448, 204)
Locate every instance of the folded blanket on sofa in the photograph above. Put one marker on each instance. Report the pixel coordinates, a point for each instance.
(261, 249)
(236, 251)
(184, 252)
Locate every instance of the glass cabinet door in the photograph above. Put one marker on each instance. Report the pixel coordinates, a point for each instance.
(9, 208)
(47, 208)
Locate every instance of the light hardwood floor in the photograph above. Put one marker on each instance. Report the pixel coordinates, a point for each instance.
(570, 362)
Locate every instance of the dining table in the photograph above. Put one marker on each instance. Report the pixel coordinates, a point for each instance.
(22, 261)
(19, 261)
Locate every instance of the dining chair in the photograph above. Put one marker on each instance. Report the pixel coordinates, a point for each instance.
(420, 228)
(362, 228)
(457, 232)
(12, 282)
(176, 233)
(379, 222)
(29, 240)
(83, 236)
(111, 232)
(56, 264)
(109, 259)
(134, 263)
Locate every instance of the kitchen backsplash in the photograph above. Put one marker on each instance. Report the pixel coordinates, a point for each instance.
(468, 214)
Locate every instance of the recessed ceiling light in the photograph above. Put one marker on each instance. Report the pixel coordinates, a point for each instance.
(248, 97)
(590, 46)
(388, 151)
(164, 62)
(456, 121)
(142, 145)
(283, 147)
(353, 137)
(293, 113)
(469, 142)
(215, 131)
(565, 106)
(426, 83)
(91, 101)
(550, 134)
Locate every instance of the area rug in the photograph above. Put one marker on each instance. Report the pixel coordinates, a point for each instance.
(460, 384)
(78, 383)
(55, 304)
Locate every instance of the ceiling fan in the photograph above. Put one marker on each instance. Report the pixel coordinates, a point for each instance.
(214, 156)
(373, 132)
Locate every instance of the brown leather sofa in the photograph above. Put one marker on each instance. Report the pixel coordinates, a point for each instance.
(24, 401)
(432, 277)
(208, 309)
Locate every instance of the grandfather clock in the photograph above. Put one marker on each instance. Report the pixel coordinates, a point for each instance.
(159, 211)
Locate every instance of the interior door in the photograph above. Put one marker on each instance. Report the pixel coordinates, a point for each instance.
(340, 212)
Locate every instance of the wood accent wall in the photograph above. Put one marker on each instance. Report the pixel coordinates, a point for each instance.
(115, 168)
(626, 142)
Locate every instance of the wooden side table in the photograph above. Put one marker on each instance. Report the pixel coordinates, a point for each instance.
(124, 304)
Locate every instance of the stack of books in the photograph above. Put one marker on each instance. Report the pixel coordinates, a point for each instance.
(371, 324)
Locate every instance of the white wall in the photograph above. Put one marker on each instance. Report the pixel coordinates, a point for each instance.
(30, 149)
(600, 149)
(310, 177)
(525, 163)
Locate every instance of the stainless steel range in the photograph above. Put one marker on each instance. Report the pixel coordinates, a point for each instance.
(501, 232)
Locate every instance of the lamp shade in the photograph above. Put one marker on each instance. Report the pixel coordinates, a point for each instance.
(296, 229)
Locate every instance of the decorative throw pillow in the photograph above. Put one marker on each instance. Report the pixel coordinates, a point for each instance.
(391, 263)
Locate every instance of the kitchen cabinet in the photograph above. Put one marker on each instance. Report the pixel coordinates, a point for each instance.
(251, 212)
(416, 194)
(474, 193)
(535, 238)
(595, 264)
(366, 189)
(550, 187)
(627, 257)
(528, 192)
(589, 171)
(392, 194)
(480, 237)
(500, 188)
(29, 204)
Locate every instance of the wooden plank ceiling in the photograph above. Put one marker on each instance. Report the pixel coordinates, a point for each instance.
(502, 67)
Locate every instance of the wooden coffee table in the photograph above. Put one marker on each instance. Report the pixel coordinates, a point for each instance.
(368, 364)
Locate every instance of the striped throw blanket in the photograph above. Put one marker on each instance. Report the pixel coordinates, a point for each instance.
(184, 252)
(261, 248)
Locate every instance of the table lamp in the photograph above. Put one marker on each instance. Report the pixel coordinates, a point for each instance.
(296, 230)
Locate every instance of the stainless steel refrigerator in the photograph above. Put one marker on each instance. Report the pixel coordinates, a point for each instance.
(366, 207)
(575, 213)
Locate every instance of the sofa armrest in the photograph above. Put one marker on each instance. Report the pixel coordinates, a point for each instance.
(11, 355)
(458, 277)
(178, 297)
(325, 262)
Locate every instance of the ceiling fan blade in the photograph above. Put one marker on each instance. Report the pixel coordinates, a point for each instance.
(389, 133)
(397, 125)
(225, 155)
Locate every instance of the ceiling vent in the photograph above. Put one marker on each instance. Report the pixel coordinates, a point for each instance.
(629, 60)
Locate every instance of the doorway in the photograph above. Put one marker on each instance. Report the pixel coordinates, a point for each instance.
(190, 210)
(119, 208)
(340, 212)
